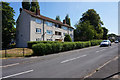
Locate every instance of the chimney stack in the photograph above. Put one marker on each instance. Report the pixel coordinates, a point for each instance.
(37, 11)
(64, 21)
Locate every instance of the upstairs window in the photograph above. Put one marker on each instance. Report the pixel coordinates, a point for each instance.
(70, 29)
(38, 21)
(65, 28)
(49, 32)
(38, 30)
(49, 23)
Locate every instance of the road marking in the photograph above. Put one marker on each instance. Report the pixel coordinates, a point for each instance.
(72, 59)
(115, 58)
(10, 65)
(100, 50)
(17, 74)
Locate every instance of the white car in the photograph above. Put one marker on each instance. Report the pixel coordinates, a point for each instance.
(116, 41)
(105, 43)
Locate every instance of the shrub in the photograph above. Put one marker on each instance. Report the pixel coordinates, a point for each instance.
(67, 38)
(95, 42)
(57, 47)
(39, 49)
(30, 43)
(45, 48)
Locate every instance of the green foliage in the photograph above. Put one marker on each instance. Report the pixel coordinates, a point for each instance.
(67, 38)
(8, 22)
(95, 42)
(39, 49)
(84, 32)
(34, 5)
(89, 26)
(105, 31)
(57, 18)
(50, 48)
(68, 20)
(26, 4)
(30, 43)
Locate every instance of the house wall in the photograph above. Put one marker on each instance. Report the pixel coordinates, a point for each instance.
(33, 34)
(23, 29)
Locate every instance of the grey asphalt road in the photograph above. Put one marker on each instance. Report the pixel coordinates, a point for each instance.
(71, 64)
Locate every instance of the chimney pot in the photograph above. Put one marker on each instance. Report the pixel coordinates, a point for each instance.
(64, 21)
(37, 11)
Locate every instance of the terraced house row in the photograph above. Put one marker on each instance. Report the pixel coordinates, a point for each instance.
(32, 26)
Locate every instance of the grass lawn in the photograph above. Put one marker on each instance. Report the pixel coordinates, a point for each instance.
(16, 52)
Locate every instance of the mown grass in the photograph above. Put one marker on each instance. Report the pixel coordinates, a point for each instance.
(16, 52)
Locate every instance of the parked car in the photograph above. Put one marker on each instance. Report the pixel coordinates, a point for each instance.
(116, 41)
(105, 43)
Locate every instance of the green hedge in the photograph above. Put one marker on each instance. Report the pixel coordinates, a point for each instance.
(95, 42)
(30, 43)
(55, 47)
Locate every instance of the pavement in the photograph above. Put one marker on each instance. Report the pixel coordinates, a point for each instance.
(93, 62)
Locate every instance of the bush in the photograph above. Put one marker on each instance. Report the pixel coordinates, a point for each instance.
(30, 43)
(39, 49)
(55, 47)
(95, 42)
(67, 38)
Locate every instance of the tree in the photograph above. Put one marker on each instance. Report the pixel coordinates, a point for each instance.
(57, 18)
(67, 38)
(8, 23)
(26, 4)
(105, 31)
(84, 31)
(68, 20)
(34, 5)
(94, 19)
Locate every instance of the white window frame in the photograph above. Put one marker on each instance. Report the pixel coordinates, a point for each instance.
(51, 32)
(38, 31)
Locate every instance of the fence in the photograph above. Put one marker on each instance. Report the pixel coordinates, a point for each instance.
(16, 52)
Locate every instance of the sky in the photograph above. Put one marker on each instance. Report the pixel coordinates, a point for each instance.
(108, 11)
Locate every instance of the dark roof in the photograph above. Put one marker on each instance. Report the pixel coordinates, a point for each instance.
(46, 18)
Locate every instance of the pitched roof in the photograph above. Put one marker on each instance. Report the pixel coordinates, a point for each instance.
(46, 18)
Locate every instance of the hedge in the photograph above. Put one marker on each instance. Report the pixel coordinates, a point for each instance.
(55, 47)
(30, 43)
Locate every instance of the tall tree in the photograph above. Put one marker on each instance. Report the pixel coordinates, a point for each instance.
(68, 20)
(34, 5)
(57, 18)
(84, 31)
(26, 4)
(105, 31)
(94, 19)
(8, 23)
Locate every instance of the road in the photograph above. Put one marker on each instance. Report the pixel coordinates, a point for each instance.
(78, 63)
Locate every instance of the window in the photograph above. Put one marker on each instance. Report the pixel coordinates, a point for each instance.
(49, 32)
(38, 39)
(64, 34)
(57, 33)
(39, 21)
(49, 39)
(48, 23)
(56, 25)
(65, 28)
(71, 35)
(38, 30)
(70, 29)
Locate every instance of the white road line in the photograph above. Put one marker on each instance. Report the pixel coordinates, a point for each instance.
(72, 59)
(10, 65)
(17, 74)
(100, 50)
